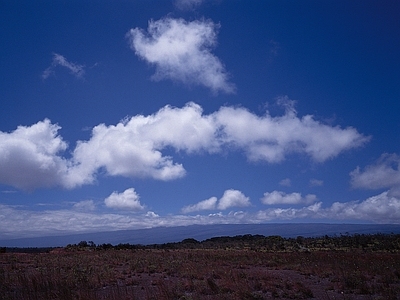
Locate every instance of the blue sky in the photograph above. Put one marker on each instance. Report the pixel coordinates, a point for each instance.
(134, 114)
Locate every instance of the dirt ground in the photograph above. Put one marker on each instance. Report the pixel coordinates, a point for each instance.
(200, 274)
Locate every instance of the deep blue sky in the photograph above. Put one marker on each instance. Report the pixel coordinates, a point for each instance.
(131, 114)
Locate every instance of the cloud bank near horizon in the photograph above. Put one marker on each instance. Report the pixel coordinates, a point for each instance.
(381, 209)
(31, 156)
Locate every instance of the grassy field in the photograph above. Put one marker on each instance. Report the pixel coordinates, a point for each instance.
(221, 269)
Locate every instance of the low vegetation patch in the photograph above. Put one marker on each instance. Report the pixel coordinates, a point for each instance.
(242, 267)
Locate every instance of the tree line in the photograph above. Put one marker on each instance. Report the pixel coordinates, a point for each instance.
(365, 242)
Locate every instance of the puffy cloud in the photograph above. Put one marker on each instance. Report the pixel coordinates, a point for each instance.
(278, 197)
(208, 204)
(230, 198)
(271, 138)
(29, 156)
(128, 199)
(133, 147)
(121, 152)
(382, 208)
(385, 173)
(181, 51)
(59, 60)
(233, 198)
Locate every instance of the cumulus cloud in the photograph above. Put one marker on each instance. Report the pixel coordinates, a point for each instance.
(59, 60)
(278, 197)
(31, 156)
(128, 199)
(181, 51)
(233, 198)
(385, 173)
(382, 208)
(230, 198)
(271, 138)
(208, 204)
(132, 148)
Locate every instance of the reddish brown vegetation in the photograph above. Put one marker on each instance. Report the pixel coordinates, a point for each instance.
(200, 274)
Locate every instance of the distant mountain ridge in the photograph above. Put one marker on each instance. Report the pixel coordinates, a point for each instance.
(161, 235)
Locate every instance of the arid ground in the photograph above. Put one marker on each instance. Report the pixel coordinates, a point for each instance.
(197, 271)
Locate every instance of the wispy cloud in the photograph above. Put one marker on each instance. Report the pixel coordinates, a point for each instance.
(31, 156)
(285, 182)
(58, 60)
(316, 182)
(85, 205)
(181, 51)
(188, 4)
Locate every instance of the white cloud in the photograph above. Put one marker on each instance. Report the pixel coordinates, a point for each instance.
(382, 208)
(271, 138)
(128, 199)
(208, 204)
(17, 222)
(312, 211)
(181, 51)
(385, 173)
(152, 214)
(233, 198)
(25, 223)
(188, 4)
(278, 197)
(30, 156)
(85, 205)
(285, 182)
(59, 60)
(230, 198)
(133, 147)
(316, 182)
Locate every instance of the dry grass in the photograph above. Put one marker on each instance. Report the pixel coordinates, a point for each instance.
(200, 274)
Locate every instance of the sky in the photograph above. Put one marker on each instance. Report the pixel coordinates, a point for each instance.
(132, 114)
